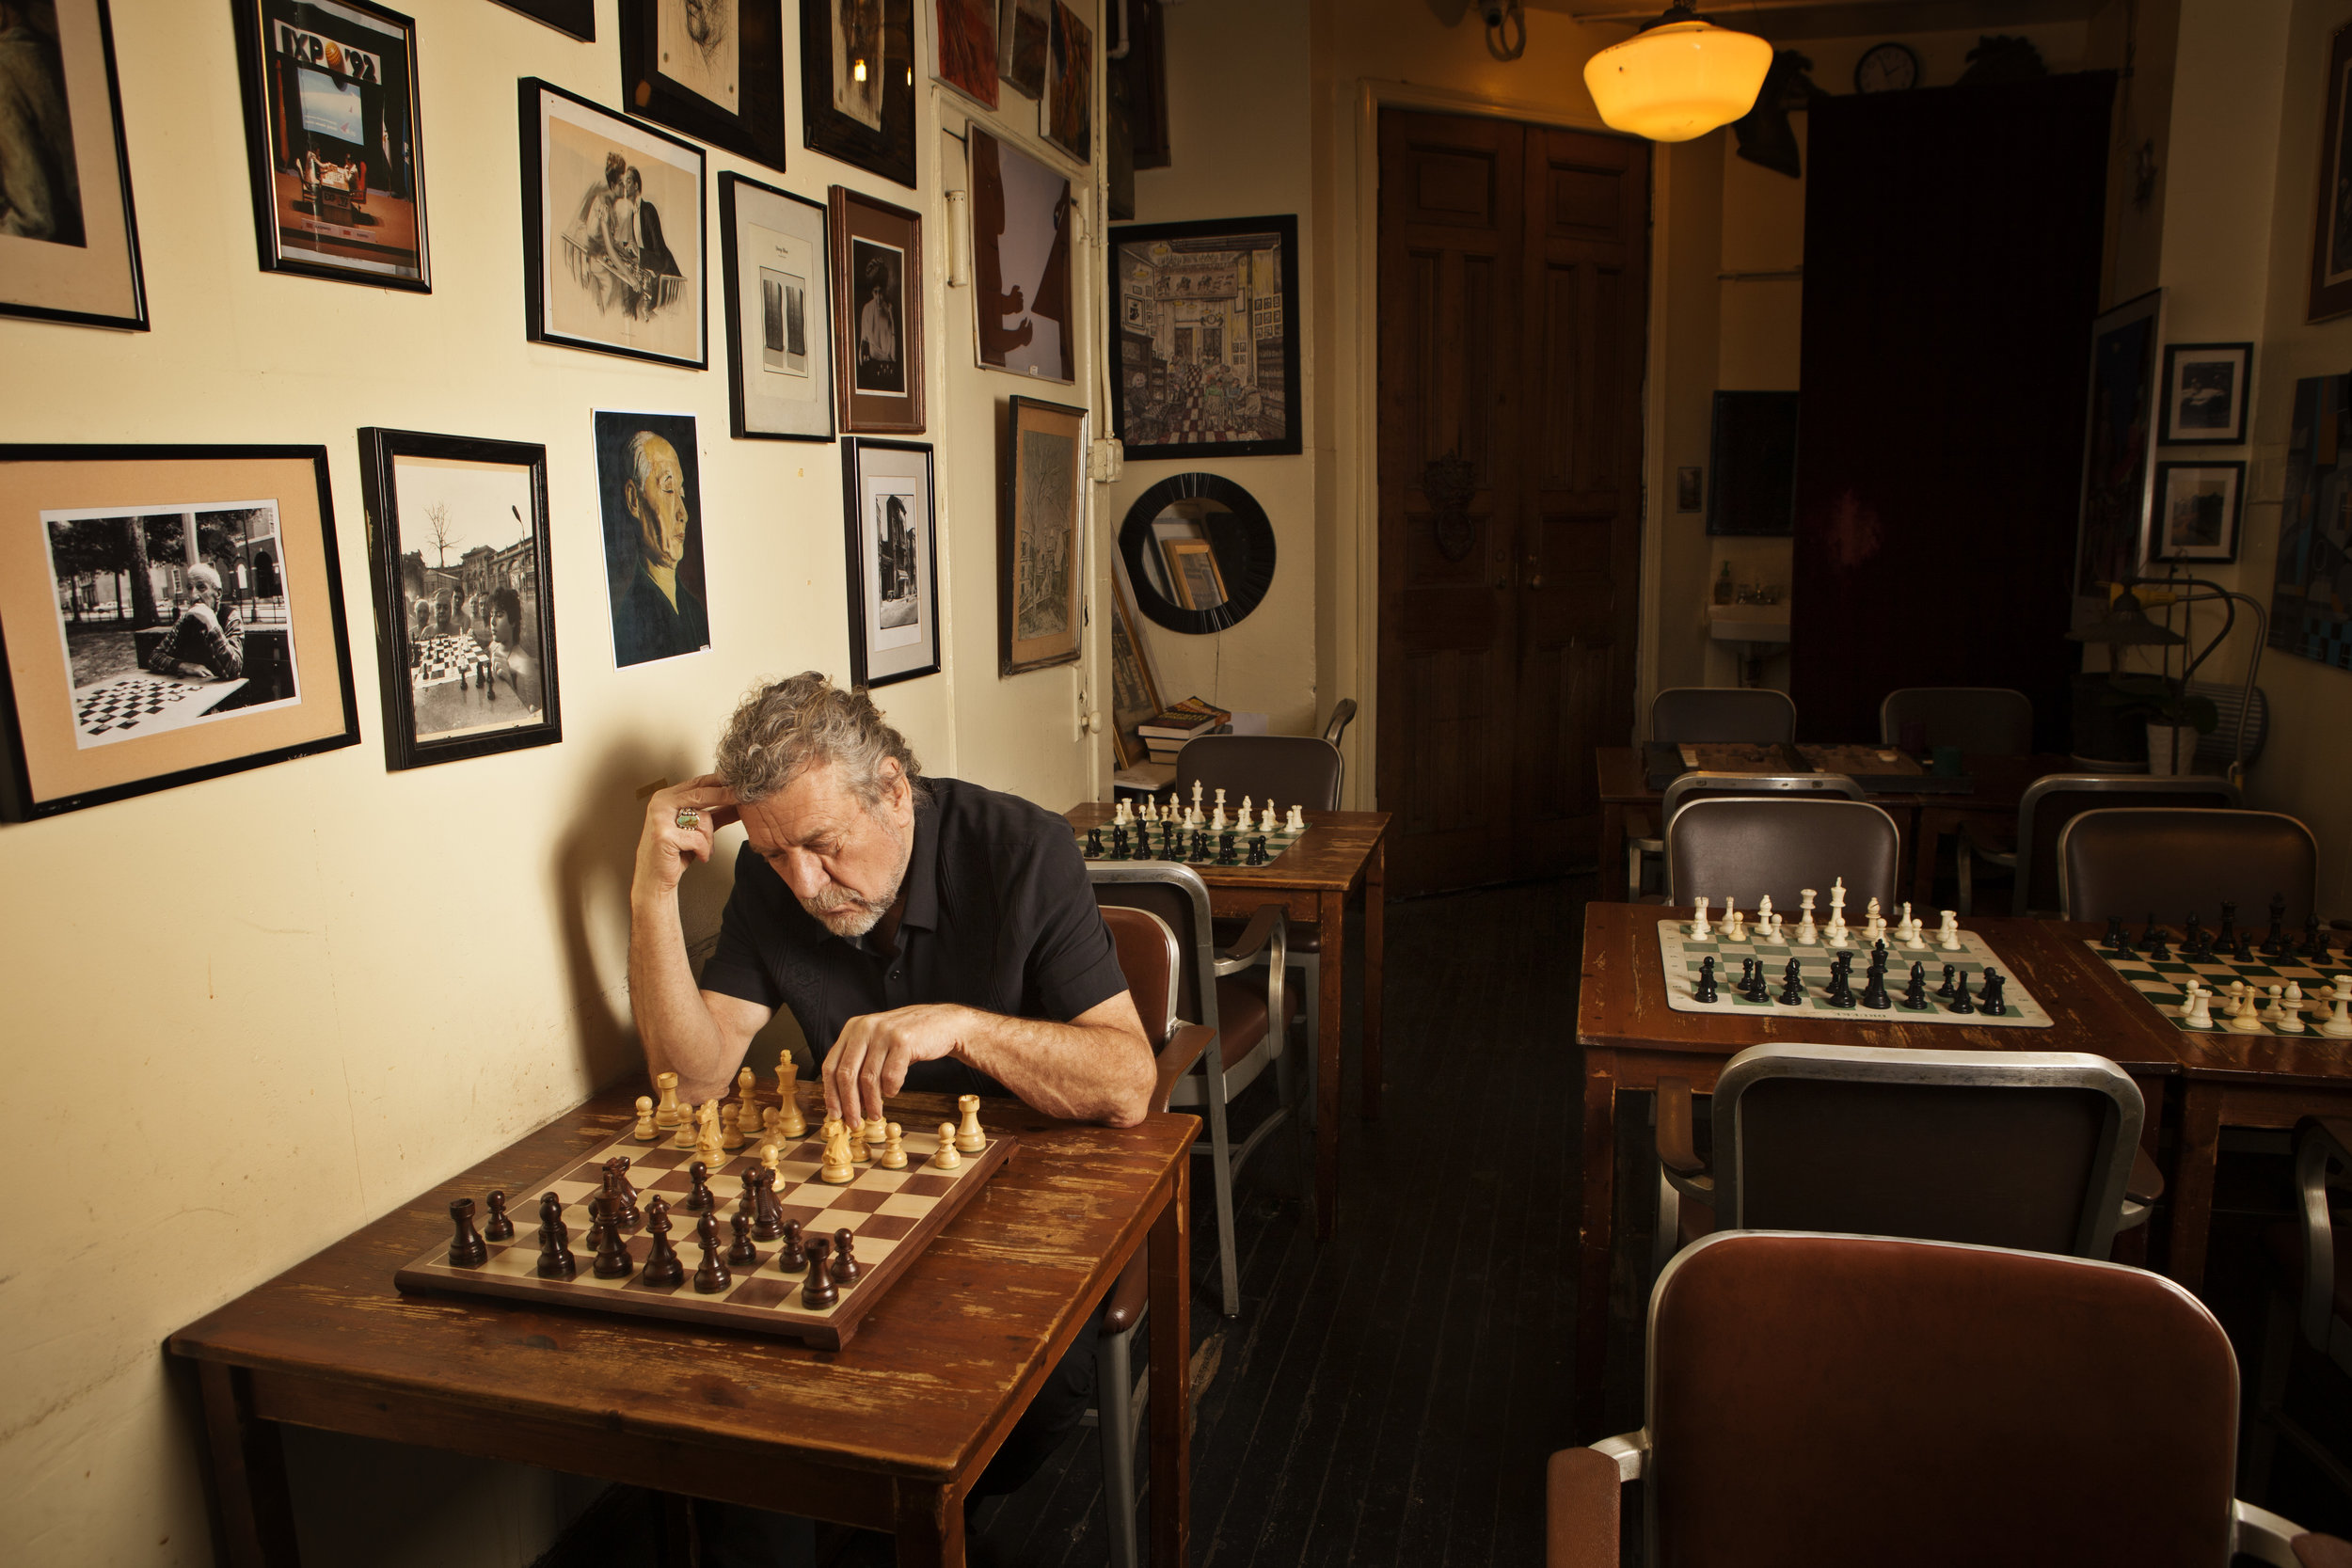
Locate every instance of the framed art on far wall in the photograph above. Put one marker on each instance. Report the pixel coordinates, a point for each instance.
(2196, 510)
(576, 17)
(1024, 39)
(2331, 230)
(1020, 261)
(166, 614)
(779, 308)
(332, 141)
(893, 564)
(2205, 390)
(1040, 581)
(1204, 361)
(613, 233)
(649, 491)
(464, 615)
(966, 37)
(713, 69)
(857, 84)
(69, 251)
(1134, 676)
(1066, 113)
(878, 314)
(2119, 446)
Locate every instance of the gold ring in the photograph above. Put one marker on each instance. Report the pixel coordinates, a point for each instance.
(689, 816)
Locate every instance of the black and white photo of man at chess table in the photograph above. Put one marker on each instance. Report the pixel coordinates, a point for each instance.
(926, 934)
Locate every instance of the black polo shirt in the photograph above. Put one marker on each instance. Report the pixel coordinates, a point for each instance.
(999, 916)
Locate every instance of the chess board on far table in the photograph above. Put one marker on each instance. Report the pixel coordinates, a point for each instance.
(146, 705)
(893, 1214)
(1277, 842)
(1681, 957)
(2160, 983)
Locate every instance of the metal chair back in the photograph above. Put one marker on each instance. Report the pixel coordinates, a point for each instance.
(2053, 801)
(1298, 769)
(1743, 849)
(1757, 715)
(1993, 720)
(2175, 862)
(1765, 785)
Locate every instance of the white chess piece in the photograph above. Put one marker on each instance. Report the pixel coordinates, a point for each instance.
(1297, 820)
(1947, 934)
(2290, 1018)
(1806, 932)
(1837, 913)
(1700, 929)
(1913, 932)
(1197, 787)
(1765, 926)
(1118, 817)
(2244, 1009)
(1249, 810)
(2339, 1026)
(2198, 1012)
(1265, 817)
(1734, 926)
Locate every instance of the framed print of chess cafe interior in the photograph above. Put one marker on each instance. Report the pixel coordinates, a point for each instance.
(166, 614)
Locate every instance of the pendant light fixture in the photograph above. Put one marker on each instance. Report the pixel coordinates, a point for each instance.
(1681, 76)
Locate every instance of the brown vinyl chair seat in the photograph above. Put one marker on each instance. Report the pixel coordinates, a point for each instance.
(2174, 862)
(1721, 848)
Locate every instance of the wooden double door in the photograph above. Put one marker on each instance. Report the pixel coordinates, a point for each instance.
(1513, 310)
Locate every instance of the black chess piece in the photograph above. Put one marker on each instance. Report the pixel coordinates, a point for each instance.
(466, 1249)
(710, 1275)
(555, 1255)
(1257, 850)
(1094, 843)
(767, 1215)
(742, 1253)
(498, 1227)
(1874, 994)
(1840, 983)
(1119, 843)
(1199, 855)
(2148, 935)
(1226, 853)
(792, 1256)
(2243, 952)
(1704, 990)
(612, 1258)
(1168, 840)
(1792, 985)
(2314, 948)
(1989, 1000)
(819, 1290)
(2275, 944)
(698, 1197)
(1915, 995)
(621, 1210)
(749, 1202)
(2119, 939)
(1944, 990)
(2227, 938)
(551, 1208)
(2194, 942)
(844, 1269)
(2157, 951)
(620, 1168)
(661, 1264)
(1962, 1002)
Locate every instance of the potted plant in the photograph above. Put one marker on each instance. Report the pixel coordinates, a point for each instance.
(2174, 717)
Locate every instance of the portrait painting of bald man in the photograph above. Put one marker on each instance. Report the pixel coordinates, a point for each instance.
(649, 482)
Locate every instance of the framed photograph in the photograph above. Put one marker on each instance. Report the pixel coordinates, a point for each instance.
(1020, 261)
(2205, 390)
(1024, 39)
(1192, 574)
(893, 567)
(576, 17)
(465, 617)
(2310, 616)
(2331, 230)
(1134, 676)
(1141, 76)
(613, 233)
(2119, 447)
(774, 260)
(877, 308)
(1040, 581)
(70, 246)
(967, 49)
(332, 141)
(2196, 510)
(1204, 357)
(166, 614)
(713, 69)
(1066, 114)
(857, 84)
(649, 493)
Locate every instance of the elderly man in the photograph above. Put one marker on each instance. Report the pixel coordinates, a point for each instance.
(202, 637)
(926, 934)
(654, 615)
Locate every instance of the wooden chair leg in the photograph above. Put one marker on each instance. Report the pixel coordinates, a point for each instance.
(1114, 1403)
(1309, 966)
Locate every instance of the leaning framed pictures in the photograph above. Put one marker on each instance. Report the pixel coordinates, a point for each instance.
(1203, 355)
(966, 40)
(332, 141)
(894, 567)
(1020, 261)
(779, 294)
(878, 314)
(69, 248)
(166, 614)
(2331, 230)
(613, 233)
(1039, 579)
(1023, 31)
(857, 84)
(2196, 510)
(2205, 386)
(464, 615)
(1135, 677)
(2118, 447)
(713, 69)
(1066, 113)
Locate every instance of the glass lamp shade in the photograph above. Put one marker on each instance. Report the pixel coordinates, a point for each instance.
(1678, 80)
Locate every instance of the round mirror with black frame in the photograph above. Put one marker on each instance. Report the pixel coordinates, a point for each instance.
(1199, 550)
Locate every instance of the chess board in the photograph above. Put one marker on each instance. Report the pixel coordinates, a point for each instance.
(146, 705)
(440, 659)
(893, 1213)
(1279, 840)
(1681, 956)
(2159, 982)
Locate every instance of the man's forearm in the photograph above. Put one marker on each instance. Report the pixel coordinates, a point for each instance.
(1060, 1069)
(675, 1026)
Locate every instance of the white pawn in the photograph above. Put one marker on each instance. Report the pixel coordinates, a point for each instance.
(1265, 817)
(1297, 820)
(2245, 1009)
(1806, 932)
(1947, 934)
(1912, 931)
(1700, 929)
(645, 1131)
(2290, 1018)
(1119, 815)
(1734, 926)
(2339, 1026)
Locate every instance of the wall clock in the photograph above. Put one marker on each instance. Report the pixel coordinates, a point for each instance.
(1888, 68)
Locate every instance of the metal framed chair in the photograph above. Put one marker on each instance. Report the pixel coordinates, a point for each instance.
(2031, 1150)
(1836, 1401)
(2176, 862)
(1987, 719)
(1742, 847)
(1722, 713)
(1250, 1016)
(2055, 799)
(2312, 1306)
(1701, 782)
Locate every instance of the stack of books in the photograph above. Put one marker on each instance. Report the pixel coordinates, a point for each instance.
(1164, 733)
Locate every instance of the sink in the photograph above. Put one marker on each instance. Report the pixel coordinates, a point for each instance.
(1748, 622)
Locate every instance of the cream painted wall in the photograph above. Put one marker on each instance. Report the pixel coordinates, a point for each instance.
(270, 1007)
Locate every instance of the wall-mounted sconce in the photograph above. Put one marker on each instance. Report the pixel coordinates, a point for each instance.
(959, 239)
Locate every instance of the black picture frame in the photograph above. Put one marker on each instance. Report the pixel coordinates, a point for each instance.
(2167, 541)
(2182, 425)
(412, 668)
(1239, 533)
(1752, 450)
(877, 245)
(690, 302)
(99, 282)
(576, 17)
(762, 419)
(2119, 447)
(350, 213)
(296, 701)
(2332, 224)
(886, 149)
(1142, 381)
(756, 127)
(869, 665)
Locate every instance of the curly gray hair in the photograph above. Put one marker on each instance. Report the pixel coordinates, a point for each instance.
(783, 729)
